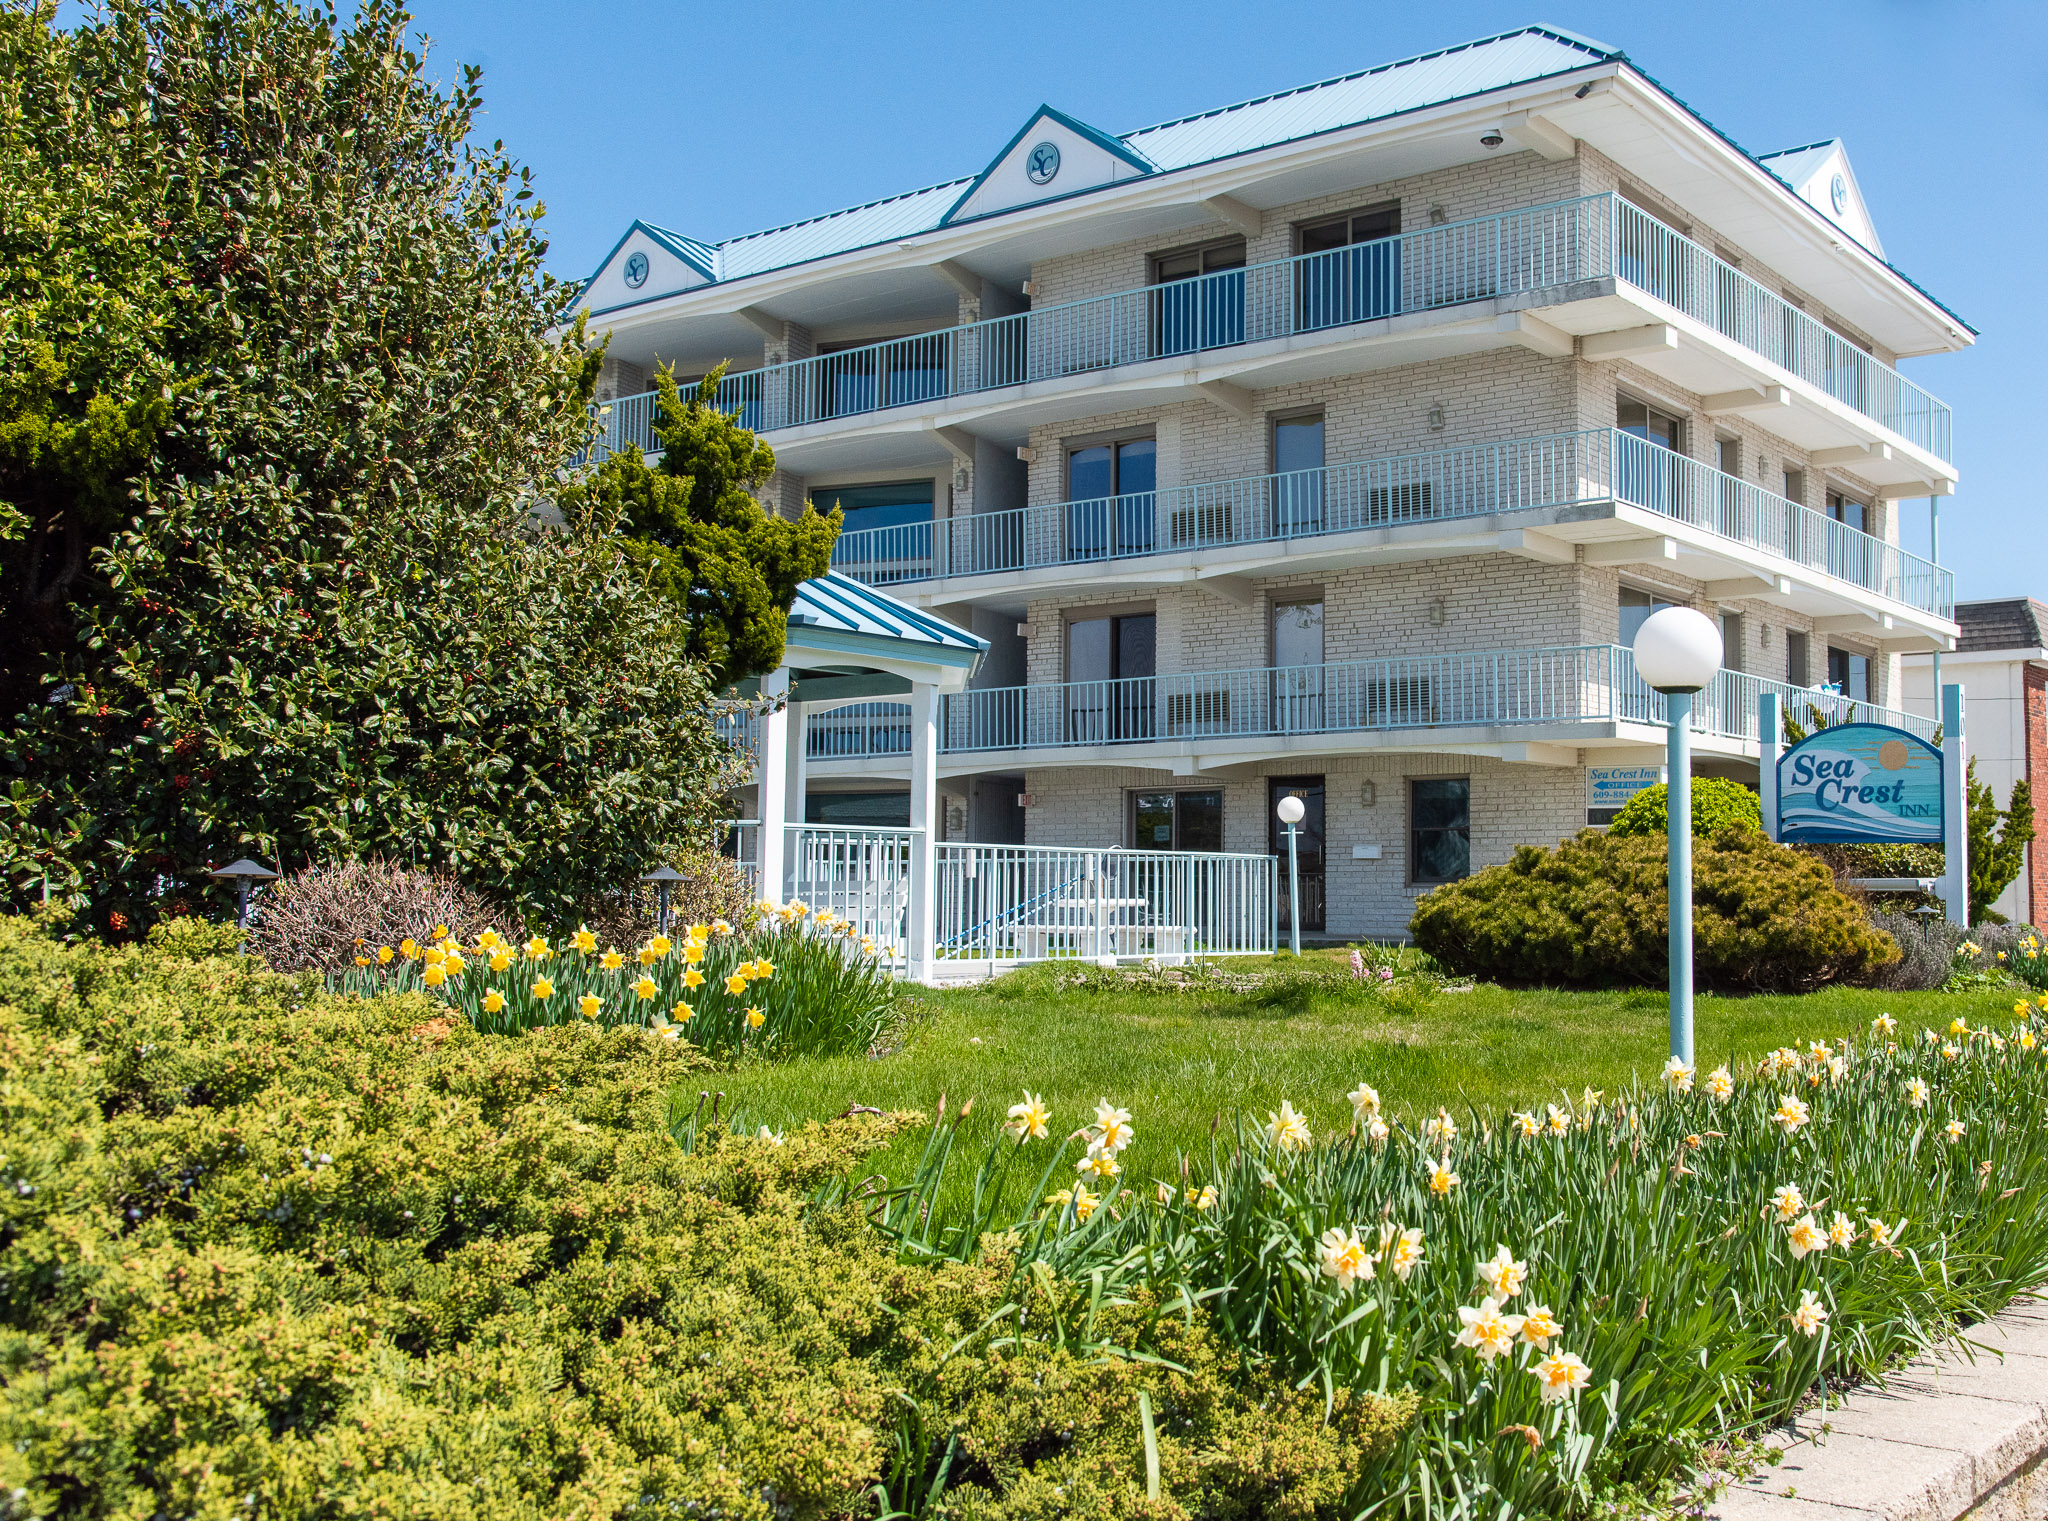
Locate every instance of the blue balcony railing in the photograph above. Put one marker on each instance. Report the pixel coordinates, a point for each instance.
(1537, 248)
(1553, 470)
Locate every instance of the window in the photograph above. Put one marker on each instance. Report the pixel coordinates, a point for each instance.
(1298, 659)
(1847, 510)
(1110, 664)
(1186, 265)
(1110, 498)
(1728, 456)
(1636, 607)
(1177, 820)
(887, 534)
(1798, 667)
(1731, 642)
(1197, 300)
(1795, 486)
(1646, 421)
(1298, 461)
(1439, 829)
(884, 810)
(889, 505)
(1350, 269)
(1308, 846)
(1849, 673)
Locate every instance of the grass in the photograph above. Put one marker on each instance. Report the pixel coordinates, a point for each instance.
(1178, 1061)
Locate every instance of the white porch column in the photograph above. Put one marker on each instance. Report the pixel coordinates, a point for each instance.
(772, 794)
(924, 818)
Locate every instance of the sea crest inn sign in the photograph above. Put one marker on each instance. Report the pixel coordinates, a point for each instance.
(1860, 784)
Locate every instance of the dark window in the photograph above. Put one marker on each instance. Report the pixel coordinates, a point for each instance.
(1645, 421)
(1731, 641)
(1795, 486)
(1177, 820)
(1798, 664)
(1308, 846)
(1110, 665)
(1848, 510)
(1349, 269)
(1110, 498)
(1298, 462)
(886, 810)
(1197, 300)
(882, 506)
(1636, 607)
(1186, 265)
(1849, 673)
(1439, 829)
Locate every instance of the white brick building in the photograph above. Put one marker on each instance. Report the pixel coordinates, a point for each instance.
(1335, 442)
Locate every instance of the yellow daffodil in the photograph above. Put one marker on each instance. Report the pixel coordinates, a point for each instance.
(1791, 1113)
(1029, 1119)
(693, 952)
(1539, 1326)
(1841, 1230)
(611, 961)
(1102, 1164)
(764, 968)
(1880, 1233)
(1206, 1197)
(537, 948)
(1401, 1248)
(500, 959)
(736, 984)
(440, 932)
(543, 989)
(1487, 1331)
(1441, 1179)
(1502, 1274)
(1560, 1376)
(494, 1001)
(384, 954)
(583, 940)
(454, 964)
(589, 1004)
(755, 1019)
(681, 1012)
(1953, 1130)
(1111, 1130)
(409, 948)
(362, 961)
(2027, 1041)
(1345, 1258)
(1286, 1130)
(1720, 1084)
(1961, 1026)
(1810, 1316)
(1884, 1024)
(1084, 1202)
(692, 978)
(489, 940)
(645, 989)
(660, 945)
(1788, 1201)
(1803, 1236)
(433, 976)
(431, 956)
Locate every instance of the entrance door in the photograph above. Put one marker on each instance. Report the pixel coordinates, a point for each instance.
(1110, 667)
(1308, 844)
(1298, 667)
(1298, 475)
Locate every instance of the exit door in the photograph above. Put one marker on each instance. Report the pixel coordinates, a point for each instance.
(1308, 845)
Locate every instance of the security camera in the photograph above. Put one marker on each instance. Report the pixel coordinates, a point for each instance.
(1492, 137)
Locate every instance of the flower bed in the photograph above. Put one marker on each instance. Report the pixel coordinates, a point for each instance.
(788, 983)
(1581, 1294)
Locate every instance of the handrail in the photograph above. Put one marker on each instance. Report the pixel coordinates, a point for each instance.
(1548, 470)
(1483, 258)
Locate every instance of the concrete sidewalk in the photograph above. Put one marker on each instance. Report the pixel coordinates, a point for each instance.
(1947, 1437)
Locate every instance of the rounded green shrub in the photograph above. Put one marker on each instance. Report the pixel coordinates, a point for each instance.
(1594, 913)
(1717, 804)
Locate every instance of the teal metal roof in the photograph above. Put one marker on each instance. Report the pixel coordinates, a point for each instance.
(835, 607)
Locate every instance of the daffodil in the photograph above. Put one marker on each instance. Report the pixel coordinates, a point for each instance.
(494, 1001)
(1441, 1179)
(1560, 1376)
(1791, 1113)
(1720, 1083)
(1539, 1326)
(1487, 1331)
(1402, 1249)
(1376, 1130)
(1841, 1230)
(1803, 1236)
(1558, 1122)
(756, 1019)
(490, 940)
(645, 955)
(1502, 1274)
(1880, 1233)
(362, 961)
(1678, 1075)
(1884, 1024)
(1917, 1092)
(681, 1012)
(660, 945)
(1961, 1026)
(1206, 1197)
(692, 978)
(1949, 1051)
(543, 989)
(1953, 1130)
(693, 952)
(1788, 1201)
(433, 976)
(1440, 1128)
(645, 989)
(1345, 1258)
(409, 948)
(501, 959)
(1103, 1164)
(611, 961)
(720, 927)
(1527, 1126)
(2027, 1041)
(1286, 1130)
(589, 1004)
(736, 984)
(384, 955)
(1365, 1101)
(1029, 1119)
(1111, 1131)
(764, 968)
(583, 939)
(537, 948)
(1084, 1202)
(1810, 1316)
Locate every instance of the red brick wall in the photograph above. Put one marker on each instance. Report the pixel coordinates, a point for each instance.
(2037, 781)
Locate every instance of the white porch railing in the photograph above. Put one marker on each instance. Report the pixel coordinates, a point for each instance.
(1001, 904)
(1536, 248)
(1439, 485)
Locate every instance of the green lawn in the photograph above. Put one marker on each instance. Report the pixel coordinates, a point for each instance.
(1177, 1061)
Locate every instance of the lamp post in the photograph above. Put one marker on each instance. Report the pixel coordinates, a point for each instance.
(245, 874)
(1290, 811)
(663, 878)
(1678, 651)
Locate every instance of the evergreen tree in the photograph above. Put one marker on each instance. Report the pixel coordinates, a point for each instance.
(703, 541)
(334, 385)
(1998, 842)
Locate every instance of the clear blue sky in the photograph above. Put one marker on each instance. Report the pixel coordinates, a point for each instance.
(722, 119)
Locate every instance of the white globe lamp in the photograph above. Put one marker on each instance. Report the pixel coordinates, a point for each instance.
(1678, 651)
(1290, 811)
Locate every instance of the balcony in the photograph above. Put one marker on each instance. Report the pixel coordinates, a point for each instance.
(1595, 265)
(1574, 695)
(1367, 499)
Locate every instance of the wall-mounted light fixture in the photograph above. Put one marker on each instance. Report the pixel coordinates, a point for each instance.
(1436, 418)
(1436, 612)
(1368, 794)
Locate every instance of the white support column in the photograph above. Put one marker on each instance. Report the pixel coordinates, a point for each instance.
(922, 927)
(1955, 815)
(1770, 737)
(772, 802)
(797, 770)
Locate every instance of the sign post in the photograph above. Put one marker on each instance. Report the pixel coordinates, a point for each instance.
(1770, 736)
(1955, 856)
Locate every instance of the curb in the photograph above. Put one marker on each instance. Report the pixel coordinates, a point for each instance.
(1946, 1436)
